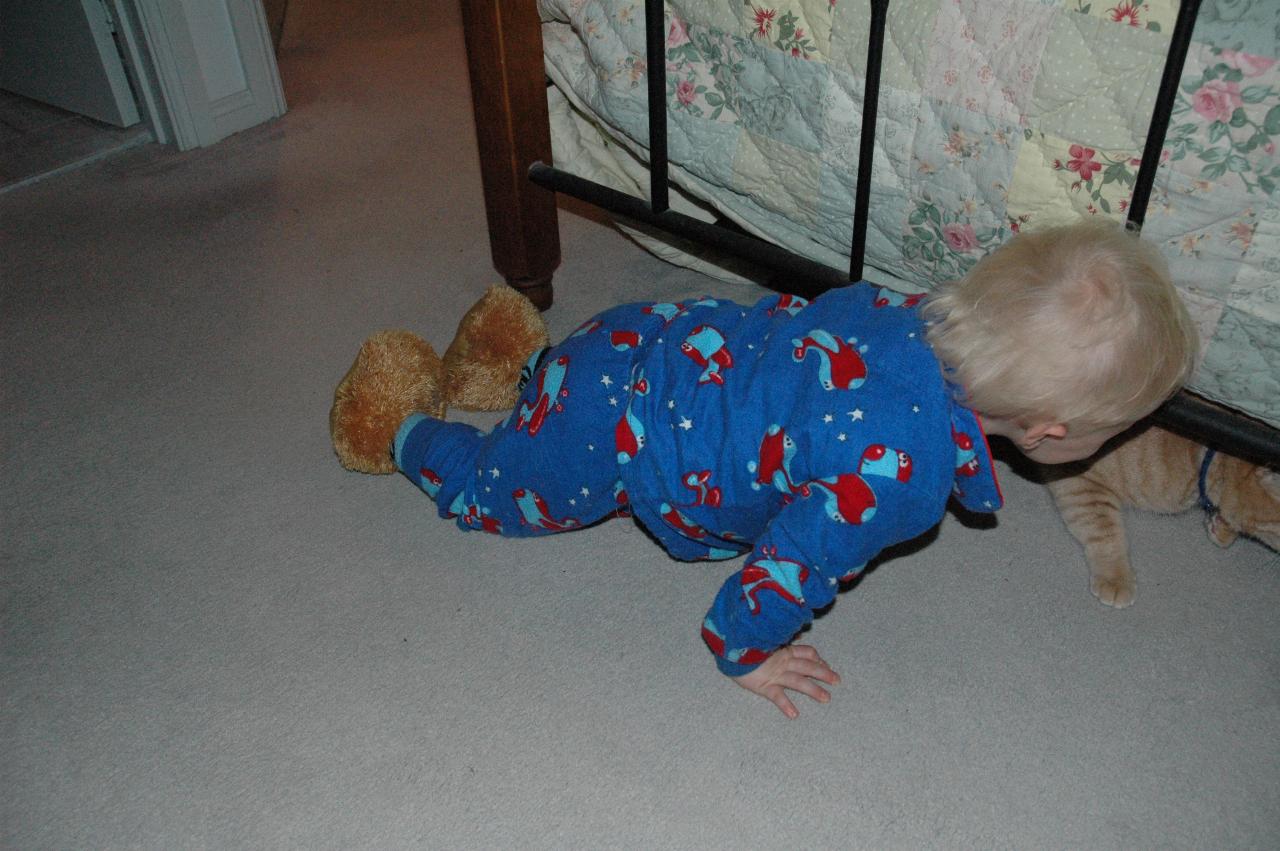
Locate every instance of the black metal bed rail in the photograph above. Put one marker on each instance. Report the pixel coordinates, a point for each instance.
(812, 278)
(1186, 413)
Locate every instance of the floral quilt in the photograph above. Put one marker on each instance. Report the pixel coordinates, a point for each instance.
(994, 115)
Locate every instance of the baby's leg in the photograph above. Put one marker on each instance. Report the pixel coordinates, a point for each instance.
(497, 483)
(552, 466)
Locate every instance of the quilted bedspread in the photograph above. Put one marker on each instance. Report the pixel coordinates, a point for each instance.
(994, 115)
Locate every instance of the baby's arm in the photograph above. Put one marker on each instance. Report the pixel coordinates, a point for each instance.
(794, 570)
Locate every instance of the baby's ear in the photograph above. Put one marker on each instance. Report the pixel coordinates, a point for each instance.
(1038, 433)
(1220, 531)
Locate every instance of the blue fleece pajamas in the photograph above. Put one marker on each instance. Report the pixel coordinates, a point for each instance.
(810, 435)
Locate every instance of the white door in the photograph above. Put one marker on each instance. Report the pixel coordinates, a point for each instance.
(214, 64)
(64, 54)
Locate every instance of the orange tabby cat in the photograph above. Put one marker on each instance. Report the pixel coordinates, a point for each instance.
(1160, 471)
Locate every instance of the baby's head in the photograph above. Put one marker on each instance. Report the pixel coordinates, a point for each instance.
(1064, 337)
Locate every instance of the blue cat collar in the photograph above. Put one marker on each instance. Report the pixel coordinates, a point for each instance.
(1205, 502)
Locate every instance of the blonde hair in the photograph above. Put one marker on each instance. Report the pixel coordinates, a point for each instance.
(1077, 324)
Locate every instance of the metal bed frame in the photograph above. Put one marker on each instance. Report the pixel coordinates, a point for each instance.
(504, 48)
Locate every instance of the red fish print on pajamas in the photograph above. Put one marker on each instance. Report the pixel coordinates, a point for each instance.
(624, 340)
(782, 576)
(475, 517)
(715, 641)
(706, 347)
(840, 365)
(891, 298)
(789, 304)
(880, 460)
(431, 482)
(671, 311)
(849, 499)
(966, 455)
(551, 390)
(628, 434)
(587, 327)
(774, 466)
(680, 523)
(704, 493)
(534, 512)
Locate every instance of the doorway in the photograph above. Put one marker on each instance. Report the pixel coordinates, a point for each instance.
(66, 97)
(81, 80)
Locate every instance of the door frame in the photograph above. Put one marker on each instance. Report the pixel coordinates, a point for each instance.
(160, 50)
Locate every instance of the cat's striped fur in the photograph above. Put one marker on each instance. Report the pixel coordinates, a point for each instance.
(1156, 470)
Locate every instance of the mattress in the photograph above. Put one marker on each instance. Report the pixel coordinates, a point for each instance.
(994, 116)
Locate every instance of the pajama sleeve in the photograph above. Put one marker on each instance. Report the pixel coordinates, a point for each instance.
(829, 533)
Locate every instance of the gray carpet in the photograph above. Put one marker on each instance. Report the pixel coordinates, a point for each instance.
(214, 637)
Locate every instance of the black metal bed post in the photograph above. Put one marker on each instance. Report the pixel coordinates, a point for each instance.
(867, 137)
(655, 42)
(1179, 43)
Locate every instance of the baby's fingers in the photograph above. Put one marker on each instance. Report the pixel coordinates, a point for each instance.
(816, 670)
(805, 659)
(778, 696)
(806, 686)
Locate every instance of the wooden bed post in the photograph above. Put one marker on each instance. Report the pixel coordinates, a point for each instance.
(509, 99)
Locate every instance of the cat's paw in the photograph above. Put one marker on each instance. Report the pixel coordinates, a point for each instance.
(1115, 591)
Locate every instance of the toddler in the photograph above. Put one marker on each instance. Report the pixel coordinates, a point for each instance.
(809, 436)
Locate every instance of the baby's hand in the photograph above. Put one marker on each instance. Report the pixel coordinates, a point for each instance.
(794, 667)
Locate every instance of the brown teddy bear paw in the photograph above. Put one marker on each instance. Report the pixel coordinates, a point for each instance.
(395, 374)
(495, 338)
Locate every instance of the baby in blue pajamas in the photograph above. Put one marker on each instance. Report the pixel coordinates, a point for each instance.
(809, 436)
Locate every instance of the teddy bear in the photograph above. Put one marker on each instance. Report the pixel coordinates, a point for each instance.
(396, 373)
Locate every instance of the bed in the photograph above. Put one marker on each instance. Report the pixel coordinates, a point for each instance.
(985, 117)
